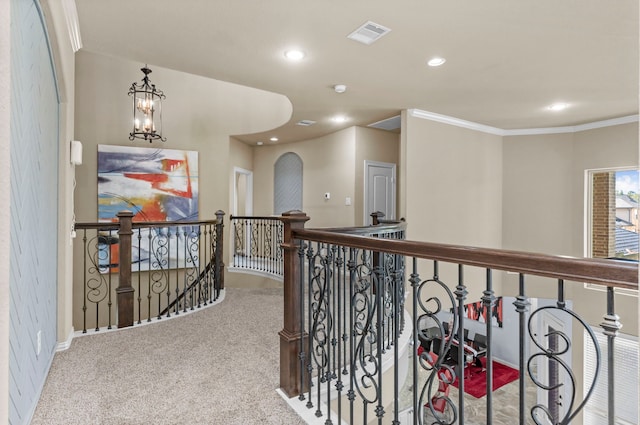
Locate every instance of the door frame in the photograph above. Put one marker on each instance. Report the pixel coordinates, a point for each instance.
(392, 167)
(248, 197)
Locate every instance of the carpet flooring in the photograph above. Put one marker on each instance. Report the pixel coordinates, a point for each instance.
(216, 366)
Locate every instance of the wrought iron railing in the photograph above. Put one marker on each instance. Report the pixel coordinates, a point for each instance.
(134, 271)
(256, 241)
(256, 244)
(338, 297)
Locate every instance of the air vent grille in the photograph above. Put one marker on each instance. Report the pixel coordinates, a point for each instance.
(368, 33)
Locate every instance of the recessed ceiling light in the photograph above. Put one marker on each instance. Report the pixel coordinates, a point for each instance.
(274, 139)
(339, 119)
(259, 143)
(436, 61)
(294, 55)
(558, 106)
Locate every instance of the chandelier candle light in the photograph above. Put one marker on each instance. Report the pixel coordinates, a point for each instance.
(147, 109)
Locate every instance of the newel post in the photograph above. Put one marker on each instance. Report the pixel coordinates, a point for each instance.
(375, 217)
(219, 264)
(124, 292)
(291, 336)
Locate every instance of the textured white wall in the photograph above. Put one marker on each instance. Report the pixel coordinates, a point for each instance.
(33, 207)
(4, 212)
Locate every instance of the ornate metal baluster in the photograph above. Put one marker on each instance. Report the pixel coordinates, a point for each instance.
(430, 306)
(140, 278)
(558, 345)
(522, 305)
(176, 267)
(339, 293)
(84, 280)
(611, 326)
(149, 296)
(415, 281)
(97, 287)
(461, 295)
(351, 394)
(303, 354)
(310, 268)
(379, 283)
(346, 310)
(366, 305)
(159, 246)
(396, 354)
(109, 301)
(330, 329)
(253, 243)
(488, 301)
(319, 334)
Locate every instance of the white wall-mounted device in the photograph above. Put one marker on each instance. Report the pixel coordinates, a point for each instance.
(76, 152)
(327, 195)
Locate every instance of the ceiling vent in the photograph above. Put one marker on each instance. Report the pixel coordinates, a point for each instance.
(390, 124)
(305, 123)
(368, 33)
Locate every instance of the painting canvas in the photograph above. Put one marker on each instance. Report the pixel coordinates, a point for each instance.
(155, 185)
(477, 311)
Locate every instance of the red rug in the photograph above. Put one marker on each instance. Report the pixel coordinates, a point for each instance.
(475, 381)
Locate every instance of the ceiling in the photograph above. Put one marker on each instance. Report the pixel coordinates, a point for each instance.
(506, 61)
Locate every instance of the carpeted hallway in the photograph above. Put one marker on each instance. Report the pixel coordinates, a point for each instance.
(216, 366)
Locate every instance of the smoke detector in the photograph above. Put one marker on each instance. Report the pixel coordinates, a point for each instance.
(340, 88)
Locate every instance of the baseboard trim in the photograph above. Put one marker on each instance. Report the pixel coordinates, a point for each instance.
(64, 345)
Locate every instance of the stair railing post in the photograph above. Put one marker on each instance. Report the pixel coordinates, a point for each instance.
(375, 217)
(219, 265)
(291, 334)
(124, 292)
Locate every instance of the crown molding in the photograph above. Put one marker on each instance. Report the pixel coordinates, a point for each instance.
(445, 119)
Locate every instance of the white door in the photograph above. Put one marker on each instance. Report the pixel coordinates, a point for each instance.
(379, 189)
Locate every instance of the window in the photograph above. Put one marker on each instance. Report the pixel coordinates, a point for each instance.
(626, 381)
(613, 230)
(613, 214)
(287, 183)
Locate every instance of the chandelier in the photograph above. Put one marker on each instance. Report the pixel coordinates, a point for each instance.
(147, 109)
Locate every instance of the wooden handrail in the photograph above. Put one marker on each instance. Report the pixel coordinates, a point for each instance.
(138, 224)
(620, 274)
(255, 217)
(386, 227)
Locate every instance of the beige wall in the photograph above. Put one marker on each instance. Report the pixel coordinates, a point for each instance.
(327, 166)
(5, 196)
(544, 201)
(372, 145)
(537, 209)
(199, 114)
(452, 192)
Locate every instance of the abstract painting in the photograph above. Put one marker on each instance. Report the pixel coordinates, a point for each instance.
(477, 311)
(155, 185)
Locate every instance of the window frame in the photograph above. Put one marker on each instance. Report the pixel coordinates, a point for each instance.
(588, 222)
